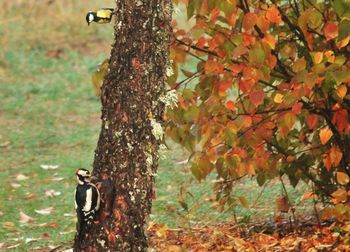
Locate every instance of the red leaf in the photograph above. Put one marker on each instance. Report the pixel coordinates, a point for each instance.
(224, 85)
(257, 97)
(296, 109)
(246, 85)
(201, 42)
(340, 119)
(230, 105)
(330, 30)
(215, 14)
(311, 121)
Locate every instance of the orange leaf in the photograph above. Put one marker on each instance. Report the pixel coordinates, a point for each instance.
(331, 30)
(343, 178)
(343, 43)
(311, 121)
(273, 15)
(230, 105)
(270, 40)
(213, 67)
(340, 195)
(308, 195)
(257, 97)
(249, 20)
(325, 135)
(335, 155)
(318, 57)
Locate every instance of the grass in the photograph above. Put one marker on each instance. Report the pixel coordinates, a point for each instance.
(49, 114)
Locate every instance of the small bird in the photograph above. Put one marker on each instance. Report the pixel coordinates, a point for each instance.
(101, 16)
(87, 199)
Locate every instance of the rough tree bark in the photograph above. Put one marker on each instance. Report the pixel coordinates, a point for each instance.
(126, 156)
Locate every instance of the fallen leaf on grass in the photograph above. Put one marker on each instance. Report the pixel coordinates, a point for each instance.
(14, 246)
(5, 144)
(57, 179)
(15, 185)
(44, 211)
(1, 245)
(9, 226)
(1, 213)
(30, 196)
(52, 193)
(53, 225)
(49, 167)
(25, 219)
(28, 240)
(21, 177)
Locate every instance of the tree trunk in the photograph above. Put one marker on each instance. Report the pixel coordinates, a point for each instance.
(126, 157)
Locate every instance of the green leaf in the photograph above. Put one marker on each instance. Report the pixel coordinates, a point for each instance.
(344, 29)
(257, 55)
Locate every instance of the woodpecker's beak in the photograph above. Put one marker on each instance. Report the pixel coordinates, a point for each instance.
(94, 177)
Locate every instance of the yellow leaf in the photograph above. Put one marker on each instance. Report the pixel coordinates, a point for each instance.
(318, 57)
(342, 178)
(341, 91)
(343, 43)
(330, 56)
(325, 135)
(278, 98)
(340, 195)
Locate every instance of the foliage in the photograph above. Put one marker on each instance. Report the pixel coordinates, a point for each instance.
(269, 96)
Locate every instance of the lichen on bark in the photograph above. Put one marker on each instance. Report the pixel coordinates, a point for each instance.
(126, 157)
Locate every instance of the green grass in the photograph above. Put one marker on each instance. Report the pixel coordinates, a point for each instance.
(49, 114)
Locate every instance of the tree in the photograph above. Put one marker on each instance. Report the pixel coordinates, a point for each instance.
(126, 157)
(269, 96)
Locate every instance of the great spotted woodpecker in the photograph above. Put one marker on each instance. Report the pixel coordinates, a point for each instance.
(87, 199)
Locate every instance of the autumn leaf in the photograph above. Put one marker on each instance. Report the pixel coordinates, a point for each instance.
(335, 155)
(311, 120)
(25, 219)
(230, 105)
(342, 178)
(49, 167)
(273, 15)
(340, 195)
(278, 98)
(213, 67)
(257, 97)
(331, 30)
(341, 91)
(299, 65)
(325, 135)
(44, 211)
(249, 20)
(317, 57)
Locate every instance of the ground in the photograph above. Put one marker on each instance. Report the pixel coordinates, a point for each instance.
(49, 120)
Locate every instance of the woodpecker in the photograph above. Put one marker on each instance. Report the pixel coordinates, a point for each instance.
(101, 16)
(87, 199)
